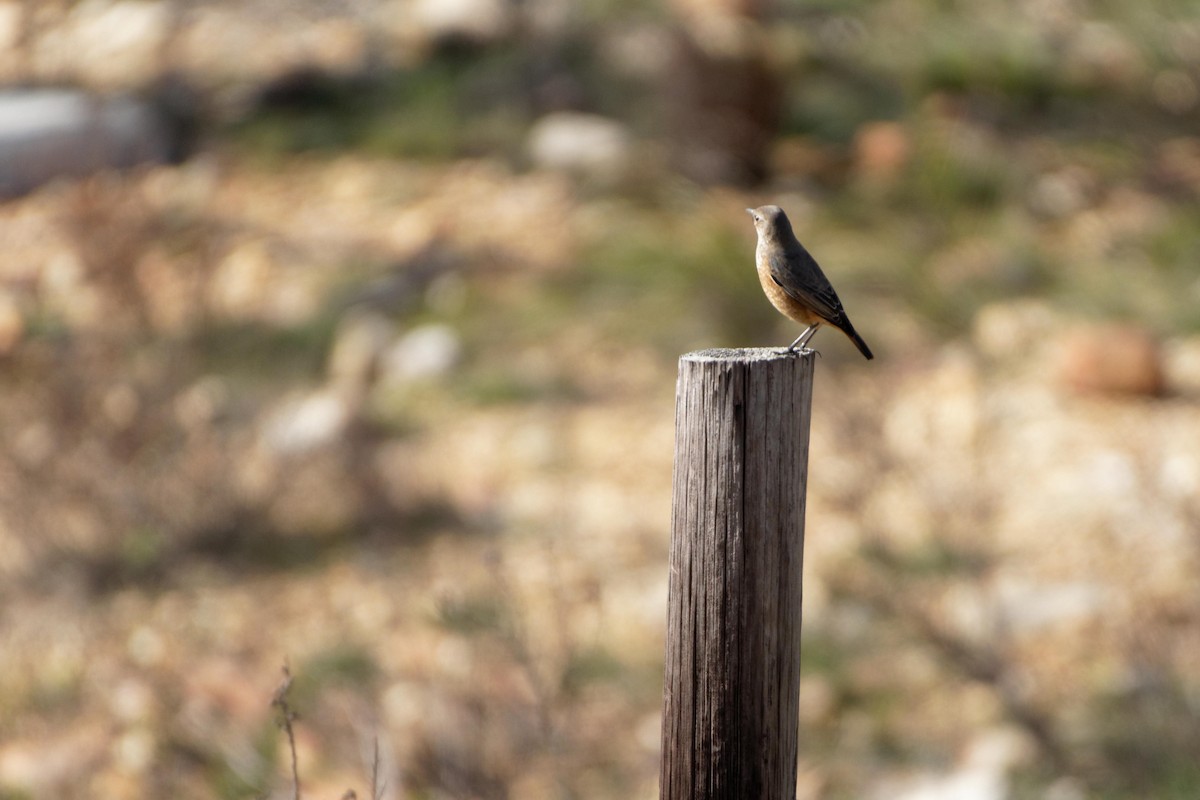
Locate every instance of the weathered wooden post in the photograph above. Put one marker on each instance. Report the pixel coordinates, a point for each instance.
(737, 549)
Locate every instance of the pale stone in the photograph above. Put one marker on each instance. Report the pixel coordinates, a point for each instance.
(586, 143)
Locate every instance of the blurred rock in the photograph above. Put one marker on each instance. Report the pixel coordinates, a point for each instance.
(1122, 359)
(48, 133)
(429, 351)
(473, 21)
(338, 46)
(41, 765)
(881, 150)
(1182, 363)
(588, 144)
(1016, 329)
(202, 403)
(1063, 192)
(146, 647)
(1179, 476)
(11, 24)
(981, 775)
(1026, 607)
(307, 423)
(636, 50)
(243, 281)
(113, 42)
(403, 706)
(237, 49)
(219, 40)
(135, 751)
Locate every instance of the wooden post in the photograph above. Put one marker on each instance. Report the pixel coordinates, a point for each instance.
(737, 549)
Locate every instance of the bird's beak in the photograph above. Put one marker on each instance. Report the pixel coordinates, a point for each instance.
(750, 211)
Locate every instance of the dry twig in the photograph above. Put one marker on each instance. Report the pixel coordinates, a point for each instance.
(286, 717)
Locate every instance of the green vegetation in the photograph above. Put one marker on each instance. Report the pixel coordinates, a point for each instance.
(442, 109)
(259, 352)
(249, 776)
(472, 614)
(591, 666)
(346, 664)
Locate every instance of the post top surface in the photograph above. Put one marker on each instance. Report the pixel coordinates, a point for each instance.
(746, 354)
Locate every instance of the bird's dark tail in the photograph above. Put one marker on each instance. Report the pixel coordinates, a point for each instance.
(848, 329)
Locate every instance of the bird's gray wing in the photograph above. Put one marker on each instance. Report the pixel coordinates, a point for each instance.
(798, 274)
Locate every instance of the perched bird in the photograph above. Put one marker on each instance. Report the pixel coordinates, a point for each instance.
(794, 282)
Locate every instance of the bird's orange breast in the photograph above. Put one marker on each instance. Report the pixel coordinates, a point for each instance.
(783, 302)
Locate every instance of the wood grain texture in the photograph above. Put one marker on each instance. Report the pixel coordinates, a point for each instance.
(737, 545)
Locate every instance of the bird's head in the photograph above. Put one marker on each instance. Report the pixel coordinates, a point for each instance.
(769, 220)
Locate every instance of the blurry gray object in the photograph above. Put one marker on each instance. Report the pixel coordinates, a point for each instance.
(585, 143)
(48, 133)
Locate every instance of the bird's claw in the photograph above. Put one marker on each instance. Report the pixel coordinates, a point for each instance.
(803, 351)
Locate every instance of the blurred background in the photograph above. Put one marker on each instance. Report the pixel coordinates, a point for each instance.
(343, 335)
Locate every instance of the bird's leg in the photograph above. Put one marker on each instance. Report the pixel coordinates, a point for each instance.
(803, 338)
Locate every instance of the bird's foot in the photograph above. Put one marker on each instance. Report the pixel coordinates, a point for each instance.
(798, 351)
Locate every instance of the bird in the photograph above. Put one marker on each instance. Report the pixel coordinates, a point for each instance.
(794, 282)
